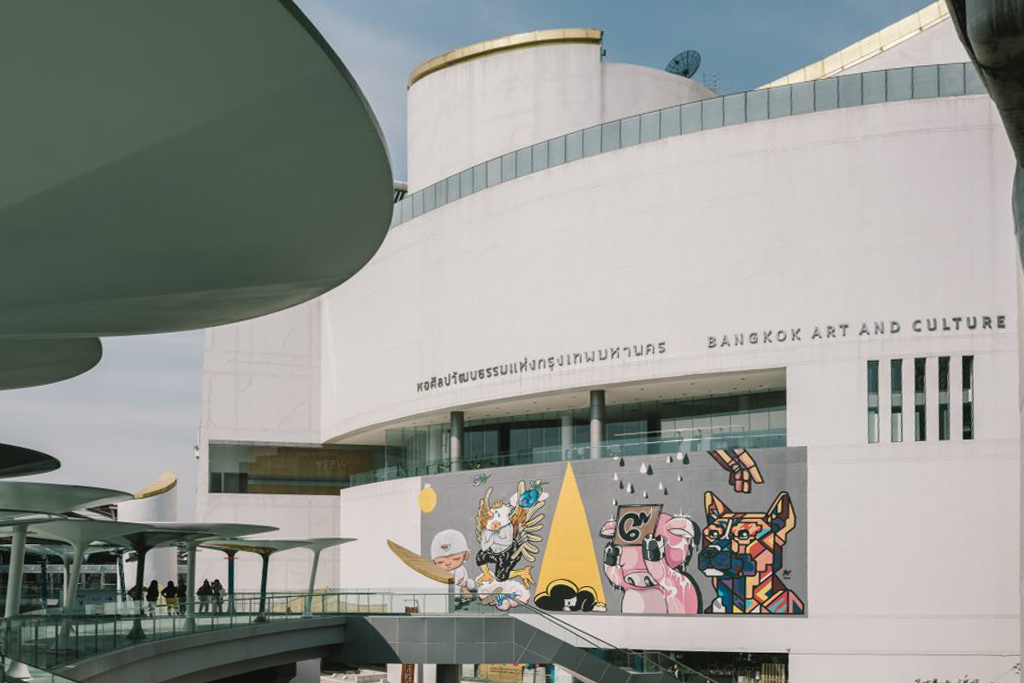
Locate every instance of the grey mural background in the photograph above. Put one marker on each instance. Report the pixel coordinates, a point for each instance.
(604, 484)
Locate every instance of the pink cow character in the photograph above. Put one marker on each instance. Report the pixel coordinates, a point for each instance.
(651, 574)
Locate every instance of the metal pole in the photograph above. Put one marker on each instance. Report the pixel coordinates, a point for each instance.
(231, 580)
(140, 567)
(263, 587)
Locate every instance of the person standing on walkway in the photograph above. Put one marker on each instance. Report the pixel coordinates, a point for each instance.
(204, 594)
(152, 595)
(170, 593)
(218, 596)
(182, 597)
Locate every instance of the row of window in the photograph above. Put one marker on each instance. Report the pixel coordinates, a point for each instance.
(920, 399)
(851, 90)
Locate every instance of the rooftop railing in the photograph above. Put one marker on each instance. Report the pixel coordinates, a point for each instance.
(852, 90)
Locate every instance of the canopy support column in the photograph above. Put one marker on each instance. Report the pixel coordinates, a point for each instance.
(261, 617)
(190, 592)
(307, 610)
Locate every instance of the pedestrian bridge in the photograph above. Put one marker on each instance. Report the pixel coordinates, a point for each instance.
(345, 628)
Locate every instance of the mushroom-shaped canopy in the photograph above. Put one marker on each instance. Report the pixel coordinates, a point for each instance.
(16, 461)
(32, 362)
(326, 542)
(261, 547)
(82, 532)
(177, 165)
(56, 498)
(193, 531)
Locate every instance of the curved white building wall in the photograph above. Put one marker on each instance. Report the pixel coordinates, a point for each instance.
(475, 110)
(161, 563)
(884, 212)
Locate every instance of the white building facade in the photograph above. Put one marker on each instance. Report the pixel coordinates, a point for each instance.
(632, 296)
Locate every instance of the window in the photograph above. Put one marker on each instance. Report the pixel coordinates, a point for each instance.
(896, 402)
(919, 400)
(284, 469)
(968, 397)
(944, 398)
(872, 401)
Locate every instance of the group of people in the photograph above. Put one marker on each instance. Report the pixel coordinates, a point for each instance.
(210, 595)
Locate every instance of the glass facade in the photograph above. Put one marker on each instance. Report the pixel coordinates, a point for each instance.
(288, 469)
(851, 90)
(748, 420)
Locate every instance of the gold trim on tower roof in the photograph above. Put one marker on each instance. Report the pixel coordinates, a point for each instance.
(869, 47)
(552, 35)
(164, 483)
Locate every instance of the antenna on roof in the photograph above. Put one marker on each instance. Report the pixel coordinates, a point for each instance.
(684, 64)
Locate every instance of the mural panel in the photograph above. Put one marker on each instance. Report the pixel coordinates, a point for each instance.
(698, 533)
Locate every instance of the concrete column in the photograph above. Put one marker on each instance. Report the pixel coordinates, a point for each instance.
(307, 610)
(597, 413)
(12, 607)
(449, 673)
(458, 421)
(231, 580)
(261, 617)
(566, 436)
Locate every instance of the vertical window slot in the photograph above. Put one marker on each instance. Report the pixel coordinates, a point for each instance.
(872, 401)
(920, 423)
(896, 401)
(968, 397)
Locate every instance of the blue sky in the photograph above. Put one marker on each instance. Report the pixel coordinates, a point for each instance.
(137, 414)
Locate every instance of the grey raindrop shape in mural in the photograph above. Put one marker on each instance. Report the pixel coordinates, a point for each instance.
(686, 459)
(630, 489)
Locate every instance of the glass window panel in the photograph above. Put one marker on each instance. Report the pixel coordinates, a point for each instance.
(524, 161)
(406, 208)
(611, 137)
(780, 101)
(757, 105)
(826, 94)
(951, 80)
(508, 167)
(690, 118)
(873, 86)
(540, 156)
(896, 400)
(417, 204)
(479, 177)
(803, 98)
(899, 84)
(944, 398)
(630, 134)
(466, 183)
(428, 199)
(920, 431)
(872, 401)
(453, 188)
(574, 146)
(650, 126)
(592, 141)
(925, 81)
(973, 85)
(735, 109)
(711, 113)
(850, 90)
(556, 151)
(670, 122)
(441, 193)
(967, 397)
(493, 172)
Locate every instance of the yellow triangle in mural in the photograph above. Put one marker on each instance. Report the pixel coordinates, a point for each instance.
(569, 577)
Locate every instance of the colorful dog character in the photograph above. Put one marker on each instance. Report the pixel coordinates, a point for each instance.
(508, 533)
(646, 558)
(743, 554)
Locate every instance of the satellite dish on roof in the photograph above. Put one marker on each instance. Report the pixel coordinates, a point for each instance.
(684, 64)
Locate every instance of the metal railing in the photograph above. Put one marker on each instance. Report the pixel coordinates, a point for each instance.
(673, 443)
(45, 641)
(851, 90)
